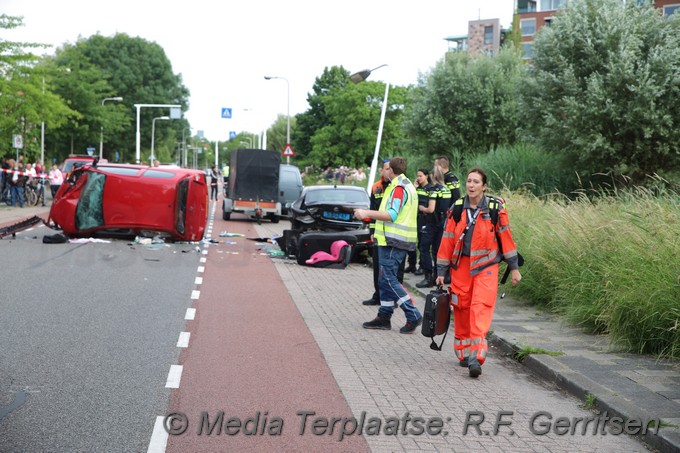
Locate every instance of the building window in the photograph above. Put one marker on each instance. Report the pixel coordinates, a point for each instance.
(528, 26)
(528, 48)
(526, 6)
(488, 35)
(668, 10)
(551, 5)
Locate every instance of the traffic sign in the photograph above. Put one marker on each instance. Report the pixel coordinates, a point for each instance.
(288, 151)
(232, 134)
(18, 141)
(226, 112)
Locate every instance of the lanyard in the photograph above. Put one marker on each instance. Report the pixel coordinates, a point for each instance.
(470, 221)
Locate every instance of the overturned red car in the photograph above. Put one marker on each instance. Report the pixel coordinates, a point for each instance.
(120, 199)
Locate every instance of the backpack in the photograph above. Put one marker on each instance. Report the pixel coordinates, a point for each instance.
(494, 204)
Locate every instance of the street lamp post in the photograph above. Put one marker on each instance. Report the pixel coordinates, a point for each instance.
(287, 111)
(101, 132)
(359, 77)
(184, 145)
(153, 136)
(138, 137)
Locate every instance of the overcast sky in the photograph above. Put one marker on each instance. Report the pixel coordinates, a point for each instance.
(224, 48)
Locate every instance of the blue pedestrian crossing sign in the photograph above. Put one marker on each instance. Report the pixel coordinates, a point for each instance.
(232, 134)
(226, 112)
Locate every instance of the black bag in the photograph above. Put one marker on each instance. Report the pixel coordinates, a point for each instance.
(436, 316)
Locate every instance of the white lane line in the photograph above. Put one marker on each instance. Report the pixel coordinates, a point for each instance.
(195, 294)
(198, 281)
(159, 437)
(183, 341)
(174, 376)
(203, 259)
(201, 269)
(205, 252)
(191, 314)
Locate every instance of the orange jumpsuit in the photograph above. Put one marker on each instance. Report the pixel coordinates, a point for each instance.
(474, 277)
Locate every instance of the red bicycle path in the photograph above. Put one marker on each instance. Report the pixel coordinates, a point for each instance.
(251, 352)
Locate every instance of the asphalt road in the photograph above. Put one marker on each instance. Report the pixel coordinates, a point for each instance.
(89, 332)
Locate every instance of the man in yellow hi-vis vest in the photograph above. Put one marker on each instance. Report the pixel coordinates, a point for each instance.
(396, 233)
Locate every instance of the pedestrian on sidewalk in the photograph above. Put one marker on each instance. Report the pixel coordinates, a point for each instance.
(17, 183)
(471, 247)
(56, 179)
(396, 234)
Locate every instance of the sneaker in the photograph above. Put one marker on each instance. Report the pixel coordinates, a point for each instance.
(410, 327)
(463, 363)
(379, 323)
(371, 302)
(475, 370)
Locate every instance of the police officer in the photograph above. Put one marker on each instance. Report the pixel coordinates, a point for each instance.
(427, 200)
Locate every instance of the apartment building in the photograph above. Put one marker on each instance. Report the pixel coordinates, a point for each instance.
(484, 37)
(535, 14)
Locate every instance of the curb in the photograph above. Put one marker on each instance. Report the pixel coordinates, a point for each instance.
(667, 440)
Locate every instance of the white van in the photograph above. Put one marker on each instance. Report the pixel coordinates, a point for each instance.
(290, 186)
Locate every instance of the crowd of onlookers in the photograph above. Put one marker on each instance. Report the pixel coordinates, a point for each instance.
(344, 175)
(17, 174)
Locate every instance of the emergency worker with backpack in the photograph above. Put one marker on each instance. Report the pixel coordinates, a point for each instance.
(476, 237)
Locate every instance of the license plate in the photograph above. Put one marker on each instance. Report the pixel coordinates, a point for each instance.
(336, 215)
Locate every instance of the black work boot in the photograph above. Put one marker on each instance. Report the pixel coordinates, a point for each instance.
(411, 326)
(371, 301)
(381, 322)
(420, 271)
(475, 370)
(426, 282)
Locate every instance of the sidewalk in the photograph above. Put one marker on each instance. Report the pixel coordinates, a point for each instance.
(625, 385)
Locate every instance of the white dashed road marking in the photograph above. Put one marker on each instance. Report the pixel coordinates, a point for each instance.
(174, 376)
(183, 341)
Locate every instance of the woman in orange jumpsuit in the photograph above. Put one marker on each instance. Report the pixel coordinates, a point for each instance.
(470, 248)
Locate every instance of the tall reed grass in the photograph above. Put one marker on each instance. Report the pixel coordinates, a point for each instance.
(610, 263)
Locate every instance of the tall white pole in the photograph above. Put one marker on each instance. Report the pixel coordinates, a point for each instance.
(137, 134)
(42, 133)
(376, 153)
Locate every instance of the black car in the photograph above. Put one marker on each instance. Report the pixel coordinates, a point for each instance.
(329, 209)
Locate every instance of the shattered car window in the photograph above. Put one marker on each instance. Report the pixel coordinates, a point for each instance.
(89, 212)
(345, 196)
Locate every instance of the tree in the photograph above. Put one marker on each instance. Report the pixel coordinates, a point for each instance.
(308, 122)
(133, 68)
(352, 117)
(26, 100)
(604, 88)
(276, 134)
(465, 103)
